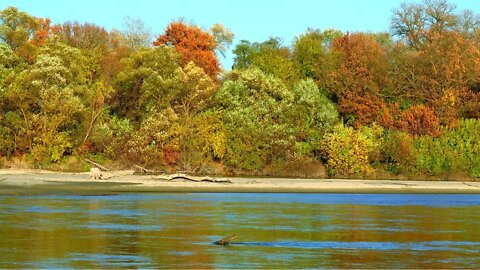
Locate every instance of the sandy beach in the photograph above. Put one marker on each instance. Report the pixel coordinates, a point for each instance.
(39, 182)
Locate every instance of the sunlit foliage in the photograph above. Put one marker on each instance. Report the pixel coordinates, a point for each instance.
(405, 102)
(193, 44)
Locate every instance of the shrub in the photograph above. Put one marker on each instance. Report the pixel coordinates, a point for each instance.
(457, 150)
(419, 120)
(362, 110)
(7, 141)
(348, 151)
(397, 151)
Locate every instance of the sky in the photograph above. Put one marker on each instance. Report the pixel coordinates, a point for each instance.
(252, 20)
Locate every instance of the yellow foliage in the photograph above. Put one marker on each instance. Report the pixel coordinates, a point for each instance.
(348, 151)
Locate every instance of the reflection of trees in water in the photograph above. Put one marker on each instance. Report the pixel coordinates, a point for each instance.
(184, 226)
(178, 231)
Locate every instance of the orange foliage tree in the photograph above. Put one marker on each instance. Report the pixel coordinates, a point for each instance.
(449, 68)
(419, 120)
(359, 76)
(193, 44)
(443, 74)
(42, 32)
(365, 109)
(361, 65)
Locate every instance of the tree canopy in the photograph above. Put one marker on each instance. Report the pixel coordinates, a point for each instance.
(338, 103)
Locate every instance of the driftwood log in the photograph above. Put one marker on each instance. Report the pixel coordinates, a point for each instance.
(142, 169)
(95, 164)
(181, 176)
(225, 241)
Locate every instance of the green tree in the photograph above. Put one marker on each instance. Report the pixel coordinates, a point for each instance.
(145, 82)
(311, 116)
(310, 52)
(269, 56)
(44, 110)
(253, 109)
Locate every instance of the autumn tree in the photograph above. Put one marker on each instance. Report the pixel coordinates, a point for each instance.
(449, 73)
(86, 36)
(43, 32)
(419, 120)
(16, 30)
(359, 77)
(417, 23)
(443, 74)
(193, 44)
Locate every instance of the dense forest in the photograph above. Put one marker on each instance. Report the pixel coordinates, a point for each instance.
(332, 104)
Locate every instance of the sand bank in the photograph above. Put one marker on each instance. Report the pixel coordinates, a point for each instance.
(39, 182)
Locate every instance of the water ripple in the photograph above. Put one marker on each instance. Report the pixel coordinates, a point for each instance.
(412, 246)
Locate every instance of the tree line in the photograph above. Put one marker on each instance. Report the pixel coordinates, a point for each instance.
(405, 102)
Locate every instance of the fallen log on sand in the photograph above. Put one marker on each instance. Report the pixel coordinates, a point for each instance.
(142, 169)
(95, 164)
(181, 176)
(225, 241)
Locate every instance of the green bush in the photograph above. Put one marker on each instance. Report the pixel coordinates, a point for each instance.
(7, 141)
(254, 107)
(457, 150)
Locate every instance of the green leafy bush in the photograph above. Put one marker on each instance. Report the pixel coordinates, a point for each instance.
(254, 106)
(7, 141)
(457, 150)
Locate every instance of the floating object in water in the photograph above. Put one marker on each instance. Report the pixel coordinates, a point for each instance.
(225, 241)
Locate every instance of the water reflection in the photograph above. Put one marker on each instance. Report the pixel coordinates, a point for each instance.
(276, 231)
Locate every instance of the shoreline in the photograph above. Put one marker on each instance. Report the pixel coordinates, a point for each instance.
(24, 182)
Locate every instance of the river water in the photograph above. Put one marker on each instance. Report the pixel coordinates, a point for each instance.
(275, 231)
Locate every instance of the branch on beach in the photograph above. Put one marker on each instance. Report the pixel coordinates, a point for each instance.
(103, 168)
(142, 169)
(176, 176)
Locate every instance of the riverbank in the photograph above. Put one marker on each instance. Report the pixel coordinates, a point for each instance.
(38, 182)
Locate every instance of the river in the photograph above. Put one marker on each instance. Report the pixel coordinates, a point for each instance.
(275, 231)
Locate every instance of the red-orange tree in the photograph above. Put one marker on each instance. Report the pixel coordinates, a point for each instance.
(42, 32)
(419, 120)
(359, 76)
(193, 44)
